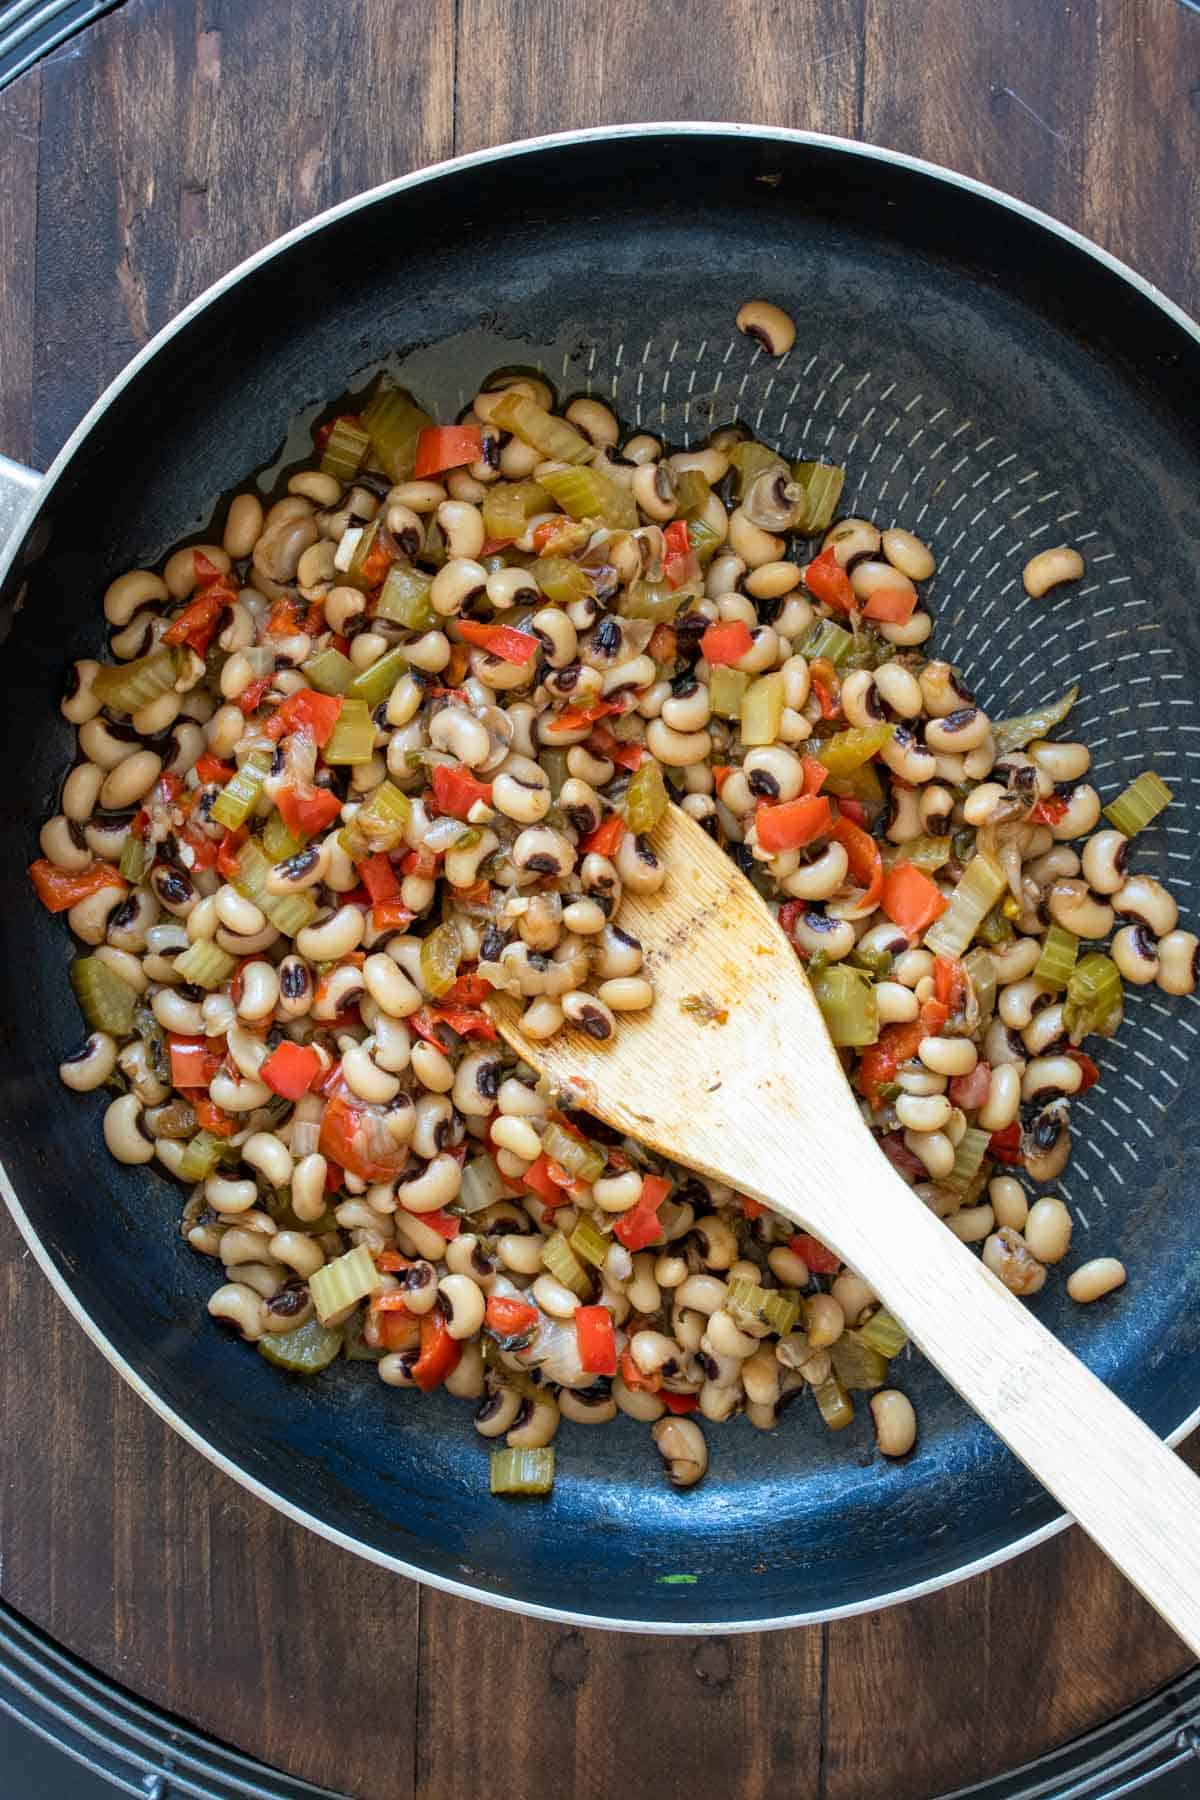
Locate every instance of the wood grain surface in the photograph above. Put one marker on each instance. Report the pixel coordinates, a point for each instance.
(138, 163)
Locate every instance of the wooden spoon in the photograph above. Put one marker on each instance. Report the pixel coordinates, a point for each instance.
(732, 1072)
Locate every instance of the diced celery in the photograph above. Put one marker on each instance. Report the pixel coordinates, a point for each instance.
(867, 650)
(1014, 734)
(509, 505)
(560, 579)
(353, 738)
(590, 1244)
(404, 598)
(204, 964)
(590, 494)
(848, 750)
(654, 600)
(703, 540)
(554, 767)
(395, 422)
(355, 574)
(1095, 998)
(752, 460)
(305, 1350)
(1141, 802)
(482, 1185)
(823, 483)
(562, 1262)
(726, 690)
(834, 1403)
(133, 858)
(969, 1154)
(929, 854)
(127, 687)
(522, 1471)
(238, 798)
(581, 1160)
(345, 450)
(884, 1334)
(646, 798)
(691, 492)
(375, 683)
(277, 841)
(289, 913)
(441, 953)
(877, 963)
(1054, 965)
(856, 1364)
(329, 672)
(848, 1006)
(764, 1306)
(762, 710)
(343, 1282)
(982, 883)
(826, 639)
(200, 1157)
(105, 1000)
(380, 825)
(551, 437)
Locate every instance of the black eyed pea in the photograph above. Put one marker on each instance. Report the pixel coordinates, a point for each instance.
(517, 1135)
(542, 1019)
(771, 581)
(238, 1096)
(585, 918)
(774, 773)
(676, 749)
(923, 1113)
(390, 987)
(260, 991)
(465, 1304)
(588, 1014)
(1178, 962)
(455, 583)
(339, 990)
(334, 937)
(434, 1071)
(81, 790)
(430, 652)
(64, 843)
(298, 1251)
(1060, 762)
(1082, 814)
(897, 1005)
(431, 1188)
(79, 704)
(175, 1012)
(824, 1321)
(1104, 859)
(620, 953)
(173, 890)
(308, 1187)
(680, 1442)
(226, 1196)
(554, 1298)
(957, 732)
(238, 1304)
(934, 1149)
(461, 867)
(1146, 901)
(626, 993)
(653, 1350)
(497, 1411)
(899, 689)
(1008, 1256)
(536, 1424)
(618, 1193)
(462, 526)
(771, 327)
(755, 546)
(466, 1382)
(1046, 1143)
(433, 1124)
(860, 702)
(703, 1294)
(130, 592)
(724, 1337)
(718, 1401)
(653, 488)
(1135, 951)
(715, 1241)
(853, 1296)
(873, 577)
(91, 1066)
(271, 1157)
(904, 821)
(243, 523)
(972, 1224)
(1103, 1275)
(762, 1377)
(642, 1290)
(102, 746)
(895, 1422)
(591, 1407)
(1009, 1203)
(540, 850)
(851, 539)
(1049, 568)
(459, 732)
(685, 712)
(1015, 960)
(787, 1267)
(907, 758)
(364, 1076)
(947, 1055)
(1003, 1100)
(908, 554)
(1047, 1229)
(815, 931)
(1073, 906)
(1059, 864)
(421, 497)
(476, 1083)
(594, 419)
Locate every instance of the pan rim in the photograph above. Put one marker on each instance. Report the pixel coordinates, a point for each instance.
(45, 487)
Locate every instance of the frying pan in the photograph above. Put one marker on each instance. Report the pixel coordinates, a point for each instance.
(990, 380)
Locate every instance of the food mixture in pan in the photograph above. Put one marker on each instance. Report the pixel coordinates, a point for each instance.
(397, 741)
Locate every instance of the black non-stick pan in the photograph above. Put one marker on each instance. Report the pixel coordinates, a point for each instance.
(990, 380)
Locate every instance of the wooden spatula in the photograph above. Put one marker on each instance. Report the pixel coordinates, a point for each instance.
(732, 1072)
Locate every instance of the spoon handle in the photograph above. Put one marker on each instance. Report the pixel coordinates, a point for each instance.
(1128, 1490)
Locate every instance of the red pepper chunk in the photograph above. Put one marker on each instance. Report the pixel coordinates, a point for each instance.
(627, 756)
(680, 562)
(291, 1069)
(379, 879)
(640, 1225)
(1005, 1145)
(911, 900)
(866, 859)
(58, 889)
(310, 712)
(391, 915)
(197, 623)
(503, 641)
(456, 790)
(1090, 1072)
(193, 1064)
(678, 1403)
(447, 1225)
(794, 823)
(826, 580)
(210, 1118)
(355, 1138)
(596, 1340)
(250, 698)
(212, 770)
(891, 606)
(231, 843)
(813, 1252)
(510, 1318)
(539, 1180)
(815, 777)
(447, 447)
(1050, 811)
(607, 837)
(439, 1356)
(726, 643)
(307, 814)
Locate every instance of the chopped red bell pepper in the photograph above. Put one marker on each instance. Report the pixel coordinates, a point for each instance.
(285, 618)
(307, 711)
(896, 1045)
(826, 580)
(212, 770)
(424, 863)
(390, 1262)
(752, 1208)
(790, 914)
(633, 1377)
(911, 900)
(205, 850)
(901, 1157)
(391, 915)
(440, 1353)
(197, 623)
(574, 718)
(355, 1138)
(538, 1179)
(812, 1251)
(466, 1021)
(606, 839)
(949, 983)
(553, 533)
(1005, 1145)
(852, 809)
(379, 879)
(456, 790)
(678, 1403)
(726, 643)
(447, 1225)
(291, 1069)
(397, 1329)
(210, 1117)
(640, 1226)
(1091, 1073)
(58, 889)
(251, 698)
(447, 447)
(1050, 811)
(231, 843)
(306, 815)
(503, 641)
(971, 1091)
(510, 1318)
(891, 606)
(815, 777)
(596, 1339)
(469, 990)
(793, 823)
(627, 756)
(680, 561)
(193, 1064)
(866, 859)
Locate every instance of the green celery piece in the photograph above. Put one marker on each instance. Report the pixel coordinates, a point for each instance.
(127, 687)
(395, 422)
(305, 1350)
(826, 639)
(204, 964)
(329, 672)
(105, 1000)
(589, 1243)
(856, 1364)
(834, 1403)
(133, 858)
(883, 1333)
(823, 483)
(752, 460)
(277, 841)
(200, 1157)
(848, 750)
(551, 437)
(654, 600)
(1141, 802)
(522, 1471)
(585, 493)
(1054, 965)
(762, 710)
(375, 683)
(981, 885)
(1014, 734)
(1095, 998)
(646, 798)
(441, 953)
(380, 825)
(239, 797)
(561, 580)
(289, 913)
(343, 1282)
(726, 691)
(345, 450)
(768, 1306)
(972, 1148)
(353, 738)
(703, 540)
(848, 1006)
(509, 505)
(562, 1262)
(404, 598)
(583, 1161)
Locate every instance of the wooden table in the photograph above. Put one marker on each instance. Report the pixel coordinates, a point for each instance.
(139, 162)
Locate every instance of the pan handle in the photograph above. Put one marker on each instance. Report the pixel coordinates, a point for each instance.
(18, 488)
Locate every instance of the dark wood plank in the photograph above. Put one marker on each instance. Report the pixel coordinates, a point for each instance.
(20, 109)
(591, 1714)
(565, 64)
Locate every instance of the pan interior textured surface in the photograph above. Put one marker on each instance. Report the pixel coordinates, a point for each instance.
(992, 387)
